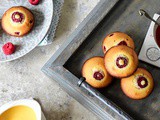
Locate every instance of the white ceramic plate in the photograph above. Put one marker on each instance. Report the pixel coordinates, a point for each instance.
(43, 13)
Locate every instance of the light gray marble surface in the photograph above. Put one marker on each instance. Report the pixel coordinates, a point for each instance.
(23, 78)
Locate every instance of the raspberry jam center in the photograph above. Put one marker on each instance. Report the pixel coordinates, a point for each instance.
(17, 17)
(142, 82)
(122, 43)
(98, 76)
(121, 62)
(111, 35)
(104, 48)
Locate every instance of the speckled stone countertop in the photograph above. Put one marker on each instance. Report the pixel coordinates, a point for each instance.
(23, 78)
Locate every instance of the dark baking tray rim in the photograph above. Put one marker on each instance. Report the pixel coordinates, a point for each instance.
(78, 89)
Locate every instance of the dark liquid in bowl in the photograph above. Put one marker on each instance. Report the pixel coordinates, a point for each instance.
(158, 36)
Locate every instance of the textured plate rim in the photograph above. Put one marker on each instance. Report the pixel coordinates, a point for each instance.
(8, 60)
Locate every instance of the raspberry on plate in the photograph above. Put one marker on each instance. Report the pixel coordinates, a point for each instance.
(34, 2)
(8, 48)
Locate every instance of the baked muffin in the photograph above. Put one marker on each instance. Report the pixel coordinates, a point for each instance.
(121, 61)
(17, 21)
(139, 85)
(95, 72)
(117, 38)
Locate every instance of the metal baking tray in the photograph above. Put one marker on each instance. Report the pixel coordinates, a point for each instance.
(85, 42)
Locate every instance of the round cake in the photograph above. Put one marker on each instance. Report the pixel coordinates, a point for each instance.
(139, 85)
(17, 21)
(117, 38)
(121, 61)
(95, 72)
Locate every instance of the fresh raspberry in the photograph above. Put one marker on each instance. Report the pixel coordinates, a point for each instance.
(8, 48)
(34, 2)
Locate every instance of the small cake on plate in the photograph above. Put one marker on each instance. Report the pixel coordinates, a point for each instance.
(121, 61)
(17, 21)
(139, 85)
(117, 38)
(95, 72)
